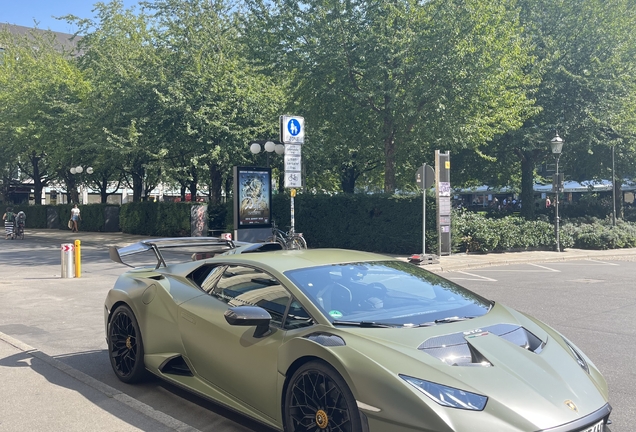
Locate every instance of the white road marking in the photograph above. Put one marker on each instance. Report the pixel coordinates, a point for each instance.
(603, 262)
(544, 267)
(479, 278)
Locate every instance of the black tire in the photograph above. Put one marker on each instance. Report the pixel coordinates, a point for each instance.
(125, 346)
(318, 399)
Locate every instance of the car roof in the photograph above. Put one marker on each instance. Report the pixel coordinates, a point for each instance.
(285, 260)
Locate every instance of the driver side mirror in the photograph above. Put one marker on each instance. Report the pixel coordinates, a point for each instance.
(248, 316)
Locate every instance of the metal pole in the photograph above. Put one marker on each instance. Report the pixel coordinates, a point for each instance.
(293, 194)
(423, 210)
(613, 191)
(556, 212)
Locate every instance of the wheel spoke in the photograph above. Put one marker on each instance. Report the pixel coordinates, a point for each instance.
(314, 391)
(123, 342)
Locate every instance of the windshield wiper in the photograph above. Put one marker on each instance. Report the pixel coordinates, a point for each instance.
(439, 321)
(452, 319)
(363, 324)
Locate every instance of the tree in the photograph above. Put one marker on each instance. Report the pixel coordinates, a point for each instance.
(429, 74)
(41, 90)
(585, 56)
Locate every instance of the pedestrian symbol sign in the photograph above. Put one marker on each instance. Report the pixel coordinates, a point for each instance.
(292, 129)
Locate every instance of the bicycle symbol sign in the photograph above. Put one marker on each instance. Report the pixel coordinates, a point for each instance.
(293, 180)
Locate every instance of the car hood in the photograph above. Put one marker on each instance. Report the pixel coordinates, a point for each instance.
(537, 381)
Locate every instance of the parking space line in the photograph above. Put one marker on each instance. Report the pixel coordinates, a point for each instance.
(479, 278)
(602, 262)
(544, 267)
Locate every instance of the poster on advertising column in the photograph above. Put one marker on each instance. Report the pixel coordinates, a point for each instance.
(253, 197)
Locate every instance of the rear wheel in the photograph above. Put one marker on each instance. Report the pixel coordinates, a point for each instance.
(125, 347)
(297, 242)
(318, 399)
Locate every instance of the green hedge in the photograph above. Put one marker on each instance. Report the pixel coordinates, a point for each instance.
(92, 216)
(36, 215)
(473, 232)
(376, 223)
(163, 219)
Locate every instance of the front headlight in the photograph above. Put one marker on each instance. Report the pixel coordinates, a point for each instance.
(448, 396)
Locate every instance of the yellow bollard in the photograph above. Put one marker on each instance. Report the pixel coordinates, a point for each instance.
(78, 259)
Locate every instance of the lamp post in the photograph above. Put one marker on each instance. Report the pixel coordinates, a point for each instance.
(78, 170)
(613, 191)
(557, 146)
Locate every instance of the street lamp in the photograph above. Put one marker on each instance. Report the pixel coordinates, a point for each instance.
(557, 146)
(78, 170)
(269, 146)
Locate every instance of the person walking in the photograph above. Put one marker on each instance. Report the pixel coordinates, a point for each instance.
(75, 217)
(8, 218)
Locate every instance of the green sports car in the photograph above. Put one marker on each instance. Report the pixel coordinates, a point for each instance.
(343, 341)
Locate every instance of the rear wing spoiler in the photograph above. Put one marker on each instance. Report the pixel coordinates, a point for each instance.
(211, 245)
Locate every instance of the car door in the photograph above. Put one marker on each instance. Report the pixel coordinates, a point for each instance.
(230, 357)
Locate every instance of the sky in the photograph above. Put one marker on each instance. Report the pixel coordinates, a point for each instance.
(24, 12)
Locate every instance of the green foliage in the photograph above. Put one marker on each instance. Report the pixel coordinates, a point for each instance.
(387, 79)
(474, 232)
(600, 234)
(161, 219)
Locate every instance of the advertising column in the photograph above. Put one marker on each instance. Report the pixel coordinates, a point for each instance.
(443, 194)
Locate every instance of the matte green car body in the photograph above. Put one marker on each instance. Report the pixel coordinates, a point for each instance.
(526, 391)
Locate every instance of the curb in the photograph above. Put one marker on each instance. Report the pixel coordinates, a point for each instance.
(449, 267)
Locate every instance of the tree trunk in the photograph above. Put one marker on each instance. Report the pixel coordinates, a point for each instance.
(348, 179)
(216, 182)
(618, 198)
(194, 180)
(389, 156)
(527, 184)
(38, 184)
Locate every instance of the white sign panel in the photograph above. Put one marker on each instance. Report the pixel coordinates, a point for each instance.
(293, 180)
(292, 163)
(293, 149)
(292, 129)
(444, 189)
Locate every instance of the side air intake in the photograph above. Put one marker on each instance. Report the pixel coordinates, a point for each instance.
(175, 366)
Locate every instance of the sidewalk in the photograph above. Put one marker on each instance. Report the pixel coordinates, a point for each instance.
(454, 262)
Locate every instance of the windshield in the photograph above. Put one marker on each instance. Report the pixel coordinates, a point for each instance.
(386, 293)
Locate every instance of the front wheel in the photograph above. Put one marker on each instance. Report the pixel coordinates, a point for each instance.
(318, 399)
(125, 347)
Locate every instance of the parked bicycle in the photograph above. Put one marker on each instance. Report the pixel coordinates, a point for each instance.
(287, 239)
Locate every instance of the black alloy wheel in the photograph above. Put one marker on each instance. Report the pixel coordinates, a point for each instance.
(125, 348)
(318, 399)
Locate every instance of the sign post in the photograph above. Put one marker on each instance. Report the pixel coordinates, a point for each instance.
(424, 179)
(292, 134)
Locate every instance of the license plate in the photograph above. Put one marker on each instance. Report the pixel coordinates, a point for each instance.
(598, 427)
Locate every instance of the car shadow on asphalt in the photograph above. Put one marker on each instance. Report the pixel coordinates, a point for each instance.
(153, 391)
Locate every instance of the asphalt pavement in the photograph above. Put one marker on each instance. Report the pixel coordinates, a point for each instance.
(39, 392)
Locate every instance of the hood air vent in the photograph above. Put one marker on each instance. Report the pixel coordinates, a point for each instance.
(454, 350)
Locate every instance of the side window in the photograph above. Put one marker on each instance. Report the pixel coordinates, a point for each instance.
(297, 317)
(205, 276)
(240, 286)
